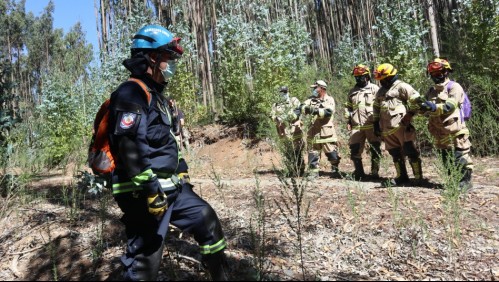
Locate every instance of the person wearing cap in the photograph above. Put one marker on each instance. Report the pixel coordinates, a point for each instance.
(359, 116)
(150, 182)
(395, 105)
(289, 130)
(321, 135)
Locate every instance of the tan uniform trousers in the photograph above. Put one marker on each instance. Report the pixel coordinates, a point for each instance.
(325, 147)
(460, 143)
(360, 137)
(395, 138)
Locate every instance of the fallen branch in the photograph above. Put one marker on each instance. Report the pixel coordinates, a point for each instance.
(189, 259)
(25, 252)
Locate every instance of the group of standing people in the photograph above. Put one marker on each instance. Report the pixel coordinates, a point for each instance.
(382, 114)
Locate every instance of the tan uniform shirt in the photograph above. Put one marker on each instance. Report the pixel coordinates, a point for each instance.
(440, 124)
(322, 127)
(391, 105)
(359, 107)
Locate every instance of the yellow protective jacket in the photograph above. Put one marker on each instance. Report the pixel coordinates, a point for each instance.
(322, 127)
(446, 120)
(391, 105)
(359, 108)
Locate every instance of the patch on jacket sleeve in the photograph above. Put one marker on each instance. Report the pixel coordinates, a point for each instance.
(128, 120)
(127, 123)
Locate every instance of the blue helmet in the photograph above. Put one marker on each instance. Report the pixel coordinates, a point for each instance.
(156, 38)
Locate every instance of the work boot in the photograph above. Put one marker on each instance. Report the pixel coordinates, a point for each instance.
(465, 182)
(358, 173)
(417, 170)
(401, 177)
(335, 172)
(216, 265)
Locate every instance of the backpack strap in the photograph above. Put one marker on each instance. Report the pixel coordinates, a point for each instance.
(449, 85)
(144, 87)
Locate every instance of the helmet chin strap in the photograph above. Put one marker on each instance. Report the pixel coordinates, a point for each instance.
(156, 72)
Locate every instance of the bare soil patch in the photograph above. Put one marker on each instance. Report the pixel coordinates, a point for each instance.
(352, 230)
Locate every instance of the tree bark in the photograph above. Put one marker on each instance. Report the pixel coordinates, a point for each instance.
(433, 29)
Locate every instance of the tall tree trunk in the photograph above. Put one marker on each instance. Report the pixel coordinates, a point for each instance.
(433, 29)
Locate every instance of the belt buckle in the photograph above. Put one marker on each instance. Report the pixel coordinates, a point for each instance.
(175, 180)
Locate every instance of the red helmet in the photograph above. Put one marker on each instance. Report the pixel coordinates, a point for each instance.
(360, 70)
(438, 66)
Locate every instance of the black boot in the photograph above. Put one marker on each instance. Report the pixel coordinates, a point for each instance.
(417, 170)
(465, 183)
(359, 169)
(334, 159)
(401, 177)
(216, 265)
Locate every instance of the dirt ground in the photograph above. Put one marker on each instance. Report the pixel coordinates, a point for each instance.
(343, 229)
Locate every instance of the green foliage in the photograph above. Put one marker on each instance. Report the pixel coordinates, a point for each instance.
(62, 113)
(254, 60)
(350, 50)
(471, 38)
(483, 124)
(400, 29)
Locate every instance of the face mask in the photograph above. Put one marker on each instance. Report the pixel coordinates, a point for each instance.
(361, 81)
(285, 96)
(315, 93)
(388, 82)
(438, 79)
(171, 67)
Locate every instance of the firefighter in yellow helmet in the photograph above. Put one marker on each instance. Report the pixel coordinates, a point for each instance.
(395, 105)
(359, 115)
(446, 120)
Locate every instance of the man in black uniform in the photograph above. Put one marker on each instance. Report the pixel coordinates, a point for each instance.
(150, 182)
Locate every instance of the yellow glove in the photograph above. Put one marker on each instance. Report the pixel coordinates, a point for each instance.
(185, 177)
(157, 204)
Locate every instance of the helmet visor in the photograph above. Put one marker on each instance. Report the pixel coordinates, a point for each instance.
(173, 49)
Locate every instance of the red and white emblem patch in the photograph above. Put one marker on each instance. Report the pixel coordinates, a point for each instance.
(128, 120)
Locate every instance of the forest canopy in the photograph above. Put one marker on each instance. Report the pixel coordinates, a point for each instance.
(238, 53)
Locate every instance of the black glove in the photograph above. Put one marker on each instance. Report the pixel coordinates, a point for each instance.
(157, 204)
(377, 129)
(428, 106)
(308, 110)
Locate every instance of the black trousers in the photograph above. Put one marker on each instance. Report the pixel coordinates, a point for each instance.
(189, 212)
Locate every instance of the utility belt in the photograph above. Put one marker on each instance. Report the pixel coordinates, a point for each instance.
(170, 183)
